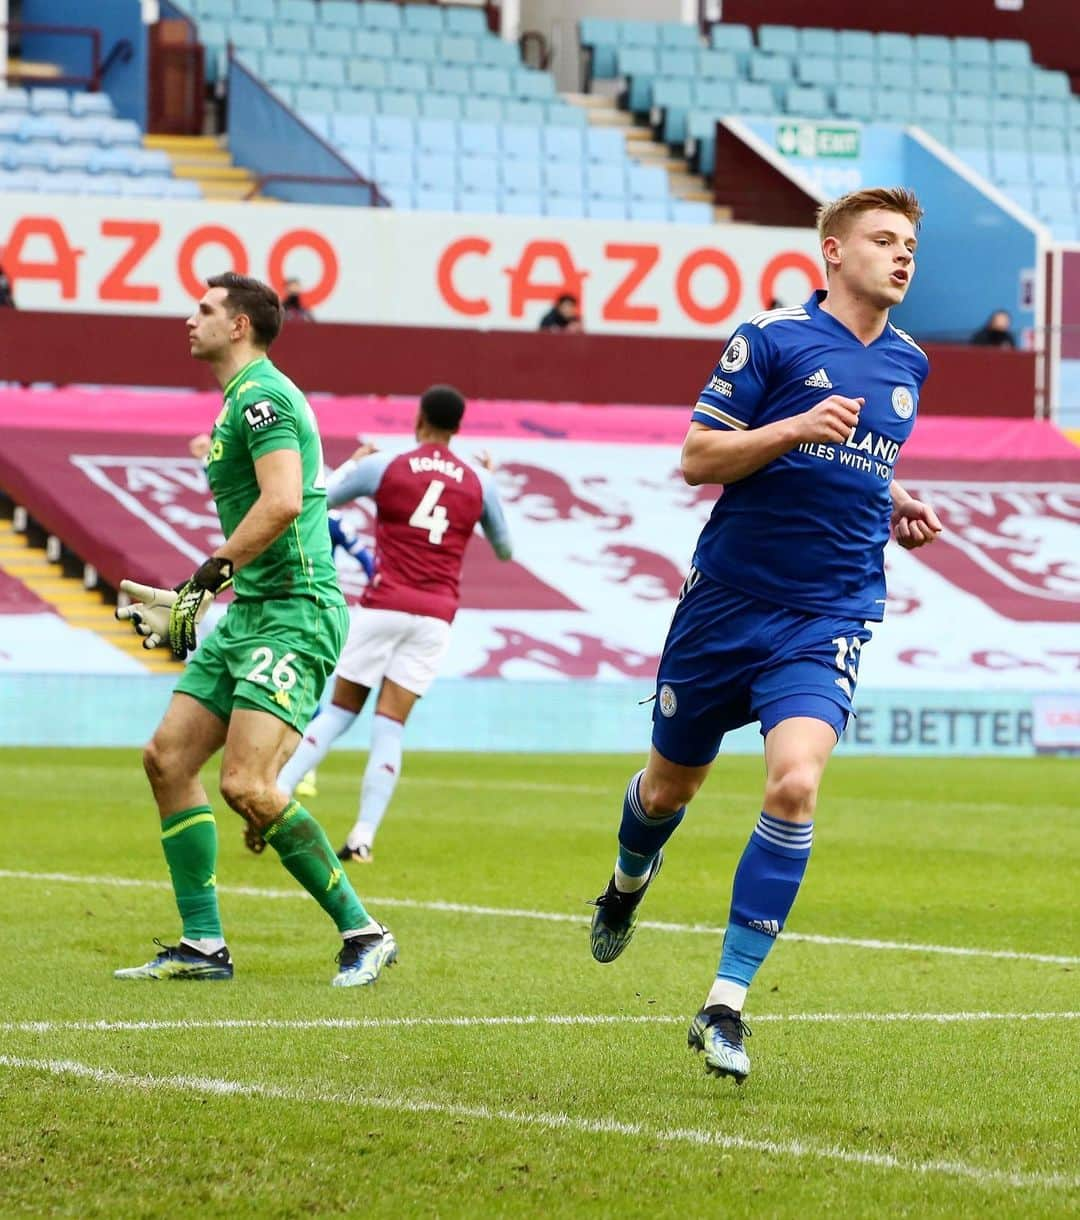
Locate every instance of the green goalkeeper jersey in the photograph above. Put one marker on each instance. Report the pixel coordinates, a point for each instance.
(264, 411)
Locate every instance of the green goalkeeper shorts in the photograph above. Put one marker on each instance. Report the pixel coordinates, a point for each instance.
(273, 656)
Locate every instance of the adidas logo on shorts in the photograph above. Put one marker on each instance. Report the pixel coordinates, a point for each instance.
(819, 380)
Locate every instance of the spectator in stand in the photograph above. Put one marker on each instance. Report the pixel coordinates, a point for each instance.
(564, 315)
(292, 303)
(996, 332)
(7, 299)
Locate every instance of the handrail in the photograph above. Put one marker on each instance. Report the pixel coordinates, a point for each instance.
(535, 38)
(122, 52)
(379, 200)
(92, 82)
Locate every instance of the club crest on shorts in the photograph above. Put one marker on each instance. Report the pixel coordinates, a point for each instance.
(735, 355)
(903, 402)
(669, 705)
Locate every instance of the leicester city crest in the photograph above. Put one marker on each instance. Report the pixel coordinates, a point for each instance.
(668, 703)
(903, 402)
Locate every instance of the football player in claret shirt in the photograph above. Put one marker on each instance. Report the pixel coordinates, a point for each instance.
(428, 501)
(801, 422)
(254, 682)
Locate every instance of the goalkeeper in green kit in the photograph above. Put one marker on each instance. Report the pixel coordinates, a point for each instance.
(253, 684)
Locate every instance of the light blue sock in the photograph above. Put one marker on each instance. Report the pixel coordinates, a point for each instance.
(766, 882)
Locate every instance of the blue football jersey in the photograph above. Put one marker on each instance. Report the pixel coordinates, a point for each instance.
(808, 530)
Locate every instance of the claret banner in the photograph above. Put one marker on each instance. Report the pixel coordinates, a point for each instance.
(384, 267)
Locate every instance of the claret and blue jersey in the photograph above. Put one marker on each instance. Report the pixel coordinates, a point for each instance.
(808, 530)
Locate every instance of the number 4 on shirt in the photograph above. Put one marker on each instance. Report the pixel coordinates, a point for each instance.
(429, 514)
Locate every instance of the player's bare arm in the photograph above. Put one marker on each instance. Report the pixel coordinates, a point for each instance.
(281, 493)
(914, 523)
(715, 455)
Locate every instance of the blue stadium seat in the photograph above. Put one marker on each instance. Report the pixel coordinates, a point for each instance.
(478, 202)
(807, 102)
(382, 15)
(716, 65)
(521, 143)
(856, 44)
(971, 108)
(893, 74)
(391, 133)
(1046, 142)
(152, 163)
(753, 99)
(1049, 114)
(653, 210)
(49, 101)
(39, 127)
(604, 145)
(566, 207)
(251, 60)
(677, 35)
(15, 97)
(182, 188)
(375, 44)
(1011, 53)
(437, 171)
(770, 69)
(497, 53)
(491, 82)
(895, 47)
(392, 168)
(1007, 137)
(298, 12)
(561, 114)
(646, 182)
(971, 135)
(605, 182)
(731, 37)
(1054, 203)
(423, 18)
(823, 72)
(677, 65)
(859, 72)
(1054, 86)
(144, 188)
(70, 158)
(564, 179)
(892, 107)
(937, 129)
(359, 156)
(1009, 110)
(451, 79)
(822, 43)
(436, 137)
(408, 78)
(10, 121)
(977, 159)
(455, 49)
(113, 161)
(101, 104)
(521, 112)
(1010, 167)
(933, 49)
(639, 33)
(932, 108)
(933, 78)
(778, 39)
(1050, 170)
(282, 69)
(481, 174)
(27, 156)
(352, 129)
(296, 38)
(353, 101)
(320, 124)
(469, 21)
(974, 51)
(521, 177)
(326, 73)
(600, 35)
(478, 139)
(256, 10)
(974, 80)
(113, 185)
(563, 144)
(343, 13)
(434, 199)
(691, 212)
(367, 74)
(672, 100)
(605, 209)
(483, 109)
(310, 100)
(440, 106)
(328, 40)
(423, 48)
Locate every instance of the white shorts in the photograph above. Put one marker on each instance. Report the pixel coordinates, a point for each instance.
(406, 648)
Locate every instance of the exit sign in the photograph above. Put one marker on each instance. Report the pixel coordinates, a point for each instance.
(812, 140)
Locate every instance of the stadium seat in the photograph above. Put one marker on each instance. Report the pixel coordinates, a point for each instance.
(563, 144)
(892, 107)
(895, 47)
(451, 79)
(1011, 53)
(824, 44)
(382, 15)
(342, 13)
(1049, 114)
(731, 37)
(1049, 169)
(440, 106)
(605, 209)
(971, 135)
(521, 143)
(974, 80)
(94, 103)
(113, 161)
(933, 49)
(437, 136)
(691, 212)
(671, 101)
(894, 74)
(481, 174)
(434, 199)
(1043, 141)
(374, 44)
(14, 98)
(320, 124)
(491, 82)
(1054, 203)
(649, 210)
(436, 171)
(497, 53)
(605, 182)
(49, 101)
(351, 101)
(71, 158)
(1010, 167)
(522, 178)
(469, 21)
(1006, 137)
(314, 101)
(821, 71)
(1012, 82)
(933, 78)
(521, 112)
(639, 33)
(367, 74)
(854, 103)
(423, 18)
(647, 182)
(778, 39)
(604, 145)
(856, 44)
(479, 202)
(770, 69)
(676, 65)
(407, 78)
(256, 10)
(298, 12)
(282, 69)
(977, 159)
(326, 39)
(478, 139)
(806, 102)
(392, 168)
(423, 48)
(1053, 86)
(972, 51)
(152, 163)
(600, 37)
(716, 65)
(1009, 110)
(932, 108)
(39, 127)
(295, 38)
(677, 35)
(566, 207)
(564, 179)
(392, 132)
(483, 109)
(753, 99)
(521, 205)
(862, 73)
(455, 49)
(560, 114)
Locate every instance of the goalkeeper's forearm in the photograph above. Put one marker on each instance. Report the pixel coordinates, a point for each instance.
(264, 522)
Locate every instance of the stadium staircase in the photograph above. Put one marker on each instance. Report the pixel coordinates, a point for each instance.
(642, 146)
(207, 161)
(41, 563)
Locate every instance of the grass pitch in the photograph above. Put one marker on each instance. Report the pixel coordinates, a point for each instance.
(915, 1042)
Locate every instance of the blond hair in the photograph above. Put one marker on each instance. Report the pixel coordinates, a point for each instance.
(834, 219)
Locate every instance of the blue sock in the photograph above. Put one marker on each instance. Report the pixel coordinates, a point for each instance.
(641, 837)
(766, 882)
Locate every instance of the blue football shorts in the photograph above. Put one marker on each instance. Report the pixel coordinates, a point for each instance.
(730, 659)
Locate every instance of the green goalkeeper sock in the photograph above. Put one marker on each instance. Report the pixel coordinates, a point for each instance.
(189, 840)
(306, 852)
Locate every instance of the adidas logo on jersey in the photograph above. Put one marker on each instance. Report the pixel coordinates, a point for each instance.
(819, 380)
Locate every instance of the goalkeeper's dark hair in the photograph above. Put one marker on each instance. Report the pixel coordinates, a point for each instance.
(256, 300)
(443, 406)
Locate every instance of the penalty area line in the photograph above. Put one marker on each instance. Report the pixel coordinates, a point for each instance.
(402, 1103)
(536, 1019)
(462, 908)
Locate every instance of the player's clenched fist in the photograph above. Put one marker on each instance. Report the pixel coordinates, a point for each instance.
(832, 419)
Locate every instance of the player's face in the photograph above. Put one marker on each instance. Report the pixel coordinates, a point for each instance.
(211, 327)
(877, 257)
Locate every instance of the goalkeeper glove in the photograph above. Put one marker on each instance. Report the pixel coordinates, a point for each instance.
(192, 601)
(148, 612)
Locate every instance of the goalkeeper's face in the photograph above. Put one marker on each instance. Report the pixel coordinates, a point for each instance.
(211, 328)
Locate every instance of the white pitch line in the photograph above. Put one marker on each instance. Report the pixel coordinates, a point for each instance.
(462, 908)
(582, 1019)
(404, 1104)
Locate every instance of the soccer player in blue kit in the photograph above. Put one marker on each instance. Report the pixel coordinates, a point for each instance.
(801, 422)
